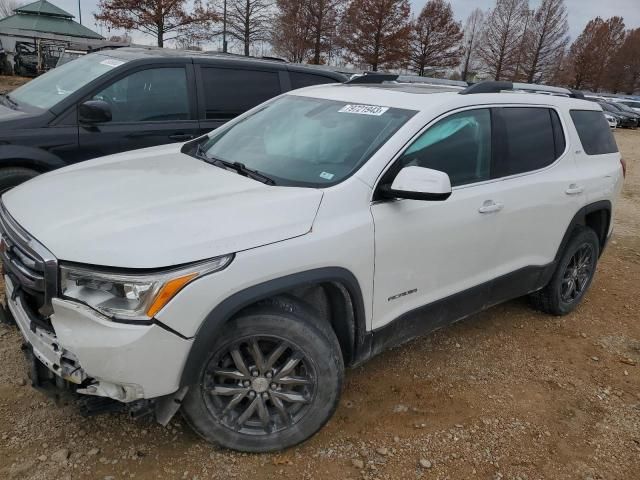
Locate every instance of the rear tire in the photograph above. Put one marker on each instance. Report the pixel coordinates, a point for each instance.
(13, 176)
(573, 275)
(273, 399)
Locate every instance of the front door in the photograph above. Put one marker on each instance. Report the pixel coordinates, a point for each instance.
(149, 107)
(427, 251)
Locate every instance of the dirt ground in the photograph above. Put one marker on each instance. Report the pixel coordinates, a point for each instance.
(508, 394)
(9, 83)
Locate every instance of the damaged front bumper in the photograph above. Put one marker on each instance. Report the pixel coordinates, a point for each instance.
(91, 355)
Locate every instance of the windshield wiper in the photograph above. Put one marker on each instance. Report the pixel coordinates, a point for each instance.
(10, 101)
(238, 167)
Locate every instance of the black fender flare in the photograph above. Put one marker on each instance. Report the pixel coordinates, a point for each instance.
(30, 157)
(580, 218)
(226, 309)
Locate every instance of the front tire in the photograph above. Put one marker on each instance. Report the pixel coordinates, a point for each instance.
(13, 176)
(573, 275)
(272, 380)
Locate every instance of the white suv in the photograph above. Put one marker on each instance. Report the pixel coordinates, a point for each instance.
(234, 277)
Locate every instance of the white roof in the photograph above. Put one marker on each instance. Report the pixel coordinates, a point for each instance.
(428, 97)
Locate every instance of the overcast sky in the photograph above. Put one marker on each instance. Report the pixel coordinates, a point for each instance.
(580, 11)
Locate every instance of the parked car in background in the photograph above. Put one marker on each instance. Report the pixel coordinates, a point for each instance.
(611, 120)
(627, 109)
(627, 120)
(129, 98)
(635, 104)
(233, 277)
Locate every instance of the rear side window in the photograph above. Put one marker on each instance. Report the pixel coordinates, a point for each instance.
(301, 80)
(533, 139)
(229, 92)
(594, 132)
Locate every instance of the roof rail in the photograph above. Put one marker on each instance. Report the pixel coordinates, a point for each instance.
(491, 86)
(577, 94)
(371, 77)
(488, 86)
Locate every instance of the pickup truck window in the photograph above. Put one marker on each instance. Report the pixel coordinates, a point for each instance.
(54, 86)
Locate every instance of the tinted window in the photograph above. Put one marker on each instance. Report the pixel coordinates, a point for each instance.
(528, 142)
(228, 92)
(631, 103)
(459, 145)
(594, 132)
(301, 80)
(154, 95)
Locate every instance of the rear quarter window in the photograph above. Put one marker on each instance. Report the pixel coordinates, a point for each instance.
(594, 132)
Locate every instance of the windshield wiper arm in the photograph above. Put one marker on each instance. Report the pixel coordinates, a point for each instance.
(12, 103)
(251, 173)
(238, 167)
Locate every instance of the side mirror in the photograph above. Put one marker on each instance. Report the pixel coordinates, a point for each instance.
(94, 111)
(418, 183)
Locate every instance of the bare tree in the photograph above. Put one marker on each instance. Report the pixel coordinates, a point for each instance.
(8, 6)
(435, 39)
(590, 55)
(547, 37)
(291, 35)
(623, 74)
(502, 36)
(472, 31)
(163, 19)
(376, 33)
(323, 22)
(249, 21)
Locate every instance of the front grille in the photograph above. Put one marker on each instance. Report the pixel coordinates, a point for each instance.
(32, 268)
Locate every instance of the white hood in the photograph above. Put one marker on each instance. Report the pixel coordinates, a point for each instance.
(154, 208)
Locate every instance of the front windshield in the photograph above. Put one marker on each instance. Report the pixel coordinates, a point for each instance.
(305, 141)
(57, 84)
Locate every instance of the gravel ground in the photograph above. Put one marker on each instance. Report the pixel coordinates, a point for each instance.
(508, 394)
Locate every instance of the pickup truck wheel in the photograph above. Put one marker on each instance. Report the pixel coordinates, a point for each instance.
(13, 176)
(573, 275)
(272, 380)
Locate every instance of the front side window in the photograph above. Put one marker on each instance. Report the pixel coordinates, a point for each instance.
(54, 86)
(594, 132)
(306, 141)
(152, 95)
(229, 92)
(529, 140)
(459, 145)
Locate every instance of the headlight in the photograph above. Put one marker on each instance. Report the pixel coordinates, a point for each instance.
(131, 296)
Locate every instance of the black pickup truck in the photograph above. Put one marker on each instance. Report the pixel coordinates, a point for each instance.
(119, 100)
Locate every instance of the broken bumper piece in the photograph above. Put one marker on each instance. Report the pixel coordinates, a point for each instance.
(98, 357)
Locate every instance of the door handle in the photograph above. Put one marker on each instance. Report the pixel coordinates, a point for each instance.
(181, 137)
(489, 206)
(574, 189)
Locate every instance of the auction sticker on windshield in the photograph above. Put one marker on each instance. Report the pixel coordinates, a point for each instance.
(364, 109)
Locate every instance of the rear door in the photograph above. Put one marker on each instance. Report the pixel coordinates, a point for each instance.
(226, 91)
(150, 106)
(538, 192)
